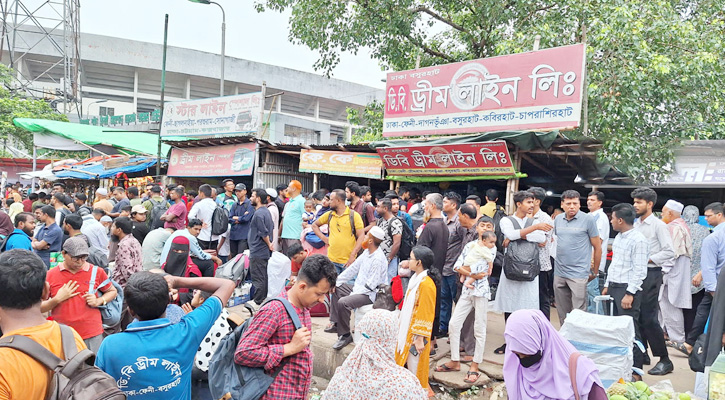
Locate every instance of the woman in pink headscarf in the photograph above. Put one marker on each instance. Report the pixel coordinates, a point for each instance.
(537, 363)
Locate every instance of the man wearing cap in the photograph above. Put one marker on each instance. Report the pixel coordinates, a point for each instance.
(175, 216)
(369, 270)
(228, 198)
(70, 303)
(102, 200)
(138, 218)
(292, 222)
(274, 210)
(675, 290)
(239, 217)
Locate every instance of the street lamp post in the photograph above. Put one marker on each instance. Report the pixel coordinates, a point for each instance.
(88, 113)
(224, 28)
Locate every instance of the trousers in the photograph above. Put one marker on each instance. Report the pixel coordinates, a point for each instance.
(342, 304)
(569, 294)
(672, 320)
(448, 294)
(465, 305)
(258, 270)
(618, 291)
(649, 313)
(545, 284)
(698, 326)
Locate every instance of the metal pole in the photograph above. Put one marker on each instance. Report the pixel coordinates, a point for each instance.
(35, 165)
(224, 28)
(163, 89)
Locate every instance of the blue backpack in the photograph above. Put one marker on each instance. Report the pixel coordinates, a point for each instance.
(227, 377)
(111, 312)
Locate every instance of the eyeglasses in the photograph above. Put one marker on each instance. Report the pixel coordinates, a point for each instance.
(79, 258)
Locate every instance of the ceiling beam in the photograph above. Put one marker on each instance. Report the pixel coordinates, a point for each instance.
(537, 164)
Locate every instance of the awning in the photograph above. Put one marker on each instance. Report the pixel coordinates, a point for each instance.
(96, 171)
(128, 141)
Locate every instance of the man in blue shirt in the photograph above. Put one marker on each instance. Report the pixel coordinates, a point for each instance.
(711, 261)
(49, 237)
(20, 238)
(239, 218)
(152, 358)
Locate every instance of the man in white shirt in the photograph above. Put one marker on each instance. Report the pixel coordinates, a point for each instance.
(369, 270)
(204, 210)
(595, 200)
(95, 232)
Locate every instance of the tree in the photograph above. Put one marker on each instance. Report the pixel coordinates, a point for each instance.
(369, 120)
(655, 70)
(13, 105)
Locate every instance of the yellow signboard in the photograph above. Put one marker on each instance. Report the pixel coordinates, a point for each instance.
(362, 165)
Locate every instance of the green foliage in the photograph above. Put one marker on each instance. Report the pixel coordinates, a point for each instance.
(655, 68)
(15, 106)
(369, 120)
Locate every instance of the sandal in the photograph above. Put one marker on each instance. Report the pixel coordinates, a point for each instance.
(446, 368)
(500, 350)
(678, 346)
(469, 380)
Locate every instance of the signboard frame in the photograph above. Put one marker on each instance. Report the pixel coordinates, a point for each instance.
(227, 160)
(341, 163)
(216, 116)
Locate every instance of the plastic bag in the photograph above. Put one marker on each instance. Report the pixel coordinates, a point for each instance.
(279, 269)
(603, 339)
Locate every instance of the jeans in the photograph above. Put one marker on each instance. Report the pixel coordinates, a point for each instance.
(393, 268)
(448, 293)
(592, 292)
(339, 268)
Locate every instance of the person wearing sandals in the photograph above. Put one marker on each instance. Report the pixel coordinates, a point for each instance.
(476, 262)
(541, 364)
(416, 319)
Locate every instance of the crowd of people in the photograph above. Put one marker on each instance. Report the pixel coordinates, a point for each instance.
(154, 251)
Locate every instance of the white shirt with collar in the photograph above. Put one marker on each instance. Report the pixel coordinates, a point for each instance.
(204, 210)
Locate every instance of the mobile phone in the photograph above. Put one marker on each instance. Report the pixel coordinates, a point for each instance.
(414, 351)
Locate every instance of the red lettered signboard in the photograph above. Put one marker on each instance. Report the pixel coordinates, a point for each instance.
(527, 91)
(488, 158)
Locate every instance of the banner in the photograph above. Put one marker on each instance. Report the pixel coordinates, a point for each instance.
(231, 160)
(215, 116)
(361, 165)
(489, 158)
(527, 91)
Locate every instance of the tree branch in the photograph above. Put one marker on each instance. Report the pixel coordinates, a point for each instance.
(427, 49)
(439, 17)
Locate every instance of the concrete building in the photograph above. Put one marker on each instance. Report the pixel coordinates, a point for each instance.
(119, 76)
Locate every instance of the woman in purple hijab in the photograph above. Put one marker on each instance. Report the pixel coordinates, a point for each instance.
(536, 365)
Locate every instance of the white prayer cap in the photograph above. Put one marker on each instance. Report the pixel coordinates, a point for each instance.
(675, 206)
(377, 232)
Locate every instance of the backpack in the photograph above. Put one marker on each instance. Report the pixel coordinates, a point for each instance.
(498, 215)
(407, 239)
(75, 378)
(521, 261)
(158, 209)
(236, 269)
(111, 312)
(241, 382)
(219, 221)
(4, 241)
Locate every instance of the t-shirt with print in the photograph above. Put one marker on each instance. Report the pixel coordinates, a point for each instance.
(153, 359)
(391, 227)
(75, 312)
(21, 377)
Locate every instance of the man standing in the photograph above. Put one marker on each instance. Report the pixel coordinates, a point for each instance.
(121, 201)
(476, 202)
(393, 229)
(576, 236)
(128, 255)
(261, 229)
(20, 238)
(50, 237)
(228, 198)
(133, 198)
(546, 273)
(274, 210)
(138, 217)
(661, 255)
(153, 246)
(156, 201)
(95, 232)
(204, 211)
(369, 270)
(675, 291)
(28, 202)
(240, 216)
(435, 237)
(395, 201)
(346, 231)
(353, 193)
(490, 207)
(628, 270)
(595, 200)
(102, 200)
(175, 216)
(292, 214)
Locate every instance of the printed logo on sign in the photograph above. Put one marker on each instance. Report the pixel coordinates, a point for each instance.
(397, 99)
(441, 156)
(472, 85)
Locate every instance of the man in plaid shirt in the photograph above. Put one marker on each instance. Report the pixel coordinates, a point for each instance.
(271, 336)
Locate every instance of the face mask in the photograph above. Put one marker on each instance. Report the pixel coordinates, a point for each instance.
(528, 361)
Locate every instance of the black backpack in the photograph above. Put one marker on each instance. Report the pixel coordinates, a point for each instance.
(498, 215)
(219, 221)
(158, 209)
(4, 241)
(75, 378)
(521, 261)
(407, 239)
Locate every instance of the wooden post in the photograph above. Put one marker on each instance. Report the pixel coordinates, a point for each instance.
(512, 185)
(315, 182)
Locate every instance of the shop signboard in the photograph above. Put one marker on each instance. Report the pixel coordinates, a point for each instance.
(527, 91)
(230, 160)
(228, 115)
(361, 165)
(471, 159)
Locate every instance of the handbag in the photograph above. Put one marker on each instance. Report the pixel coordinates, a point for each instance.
(698, 354)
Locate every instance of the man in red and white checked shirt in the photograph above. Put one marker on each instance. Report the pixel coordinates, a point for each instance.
(271, 336)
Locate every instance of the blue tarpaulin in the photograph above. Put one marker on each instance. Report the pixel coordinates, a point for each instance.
(96, 171)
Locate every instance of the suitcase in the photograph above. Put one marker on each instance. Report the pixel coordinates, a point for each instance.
(321, 309)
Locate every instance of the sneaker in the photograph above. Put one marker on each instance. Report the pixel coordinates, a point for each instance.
(342, 341)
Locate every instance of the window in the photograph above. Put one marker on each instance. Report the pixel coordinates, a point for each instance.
(109, 111)
(298, 135)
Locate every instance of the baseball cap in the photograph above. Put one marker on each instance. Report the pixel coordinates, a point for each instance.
(272, 193)
(240, 186)
(138, 209)
(102, 191)
(76, 247)
(377, 232)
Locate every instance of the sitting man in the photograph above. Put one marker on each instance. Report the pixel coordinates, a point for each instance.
(369, 270)
(152, 352)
